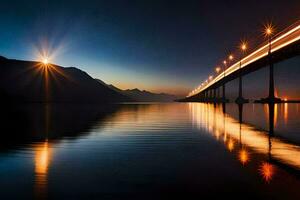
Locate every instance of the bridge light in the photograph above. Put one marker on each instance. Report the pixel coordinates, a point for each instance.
(224, 62)
(210, 78)
(269, 30)
(230, 57)
(243, 46)
(218, 69)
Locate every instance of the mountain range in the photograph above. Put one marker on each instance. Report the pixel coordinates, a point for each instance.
(145, 96)
(31, 81)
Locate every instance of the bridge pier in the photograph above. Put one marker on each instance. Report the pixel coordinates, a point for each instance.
(271, 98)
(214, 95)
(224, 100)
(240, 99)
(201, 96)
(207, 95)
(210, 95)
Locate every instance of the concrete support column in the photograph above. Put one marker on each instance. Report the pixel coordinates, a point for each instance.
(223, 93)
(215, 93)
(240, 99)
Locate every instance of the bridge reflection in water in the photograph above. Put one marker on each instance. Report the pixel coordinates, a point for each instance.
(244, 138)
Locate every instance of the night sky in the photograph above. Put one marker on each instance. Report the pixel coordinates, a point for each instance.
(161, 46)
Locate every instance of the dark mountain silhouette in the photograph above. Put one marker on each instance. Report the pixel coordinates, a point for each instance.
(145, 96)
(29, 81)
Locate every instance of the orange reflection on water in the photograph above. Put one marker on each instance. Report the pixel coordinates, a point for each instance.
(249, 136)
(285, 112)
(230, 145)
(41, 161)
(244, 156)
(266, 111)
(267, 171)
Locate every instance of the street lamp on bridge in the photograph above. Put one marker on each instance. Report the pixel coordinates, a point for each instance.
(243, 48)
(218, 69)
(269, 30)
(240, 99)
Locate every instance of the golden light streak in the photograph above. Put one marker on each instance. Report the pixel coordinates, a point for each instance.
(285, 112)
(275, 115)
(254, 139)
(42, 158)
(41, 161)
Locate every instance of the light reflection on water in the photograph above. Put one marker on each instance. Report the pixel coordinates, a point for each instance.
(153, 150)
(42, 160)
(246, 135)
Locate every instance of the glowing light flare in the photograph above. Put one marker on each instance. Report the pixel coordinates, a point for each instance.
(230, 57)
(224, 62)
(210, 78)
(244, 156)
(267, 171)
(268, 29)
(244, 46)
(45, 61)
(218, 69)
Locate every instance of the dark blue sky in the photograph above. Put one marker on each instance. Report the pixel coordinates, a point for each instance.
(168, 46)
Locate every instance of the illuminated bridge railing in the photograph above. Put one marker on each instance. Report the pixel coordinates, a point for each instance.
(281, 40)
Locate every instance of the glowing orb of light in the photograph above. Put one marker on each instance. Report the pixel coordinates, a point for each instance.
(243, 46)
(267, 171)
(45, 61)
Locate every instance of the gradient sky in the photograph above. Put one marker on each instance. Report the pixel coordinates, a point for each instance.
(161, 46)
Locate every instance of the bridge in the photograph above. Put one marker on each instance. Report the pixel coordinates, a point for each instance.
(282, 46)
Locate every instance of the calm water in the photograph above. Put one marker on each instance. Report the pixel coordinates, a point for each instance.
(150, 151)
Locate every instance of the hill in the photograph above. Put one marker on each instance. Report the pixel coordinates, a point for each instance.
(29, 81)
(145, 96)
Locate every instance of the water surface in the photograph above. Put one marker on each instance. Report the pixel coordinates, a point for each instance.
(150, 151)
